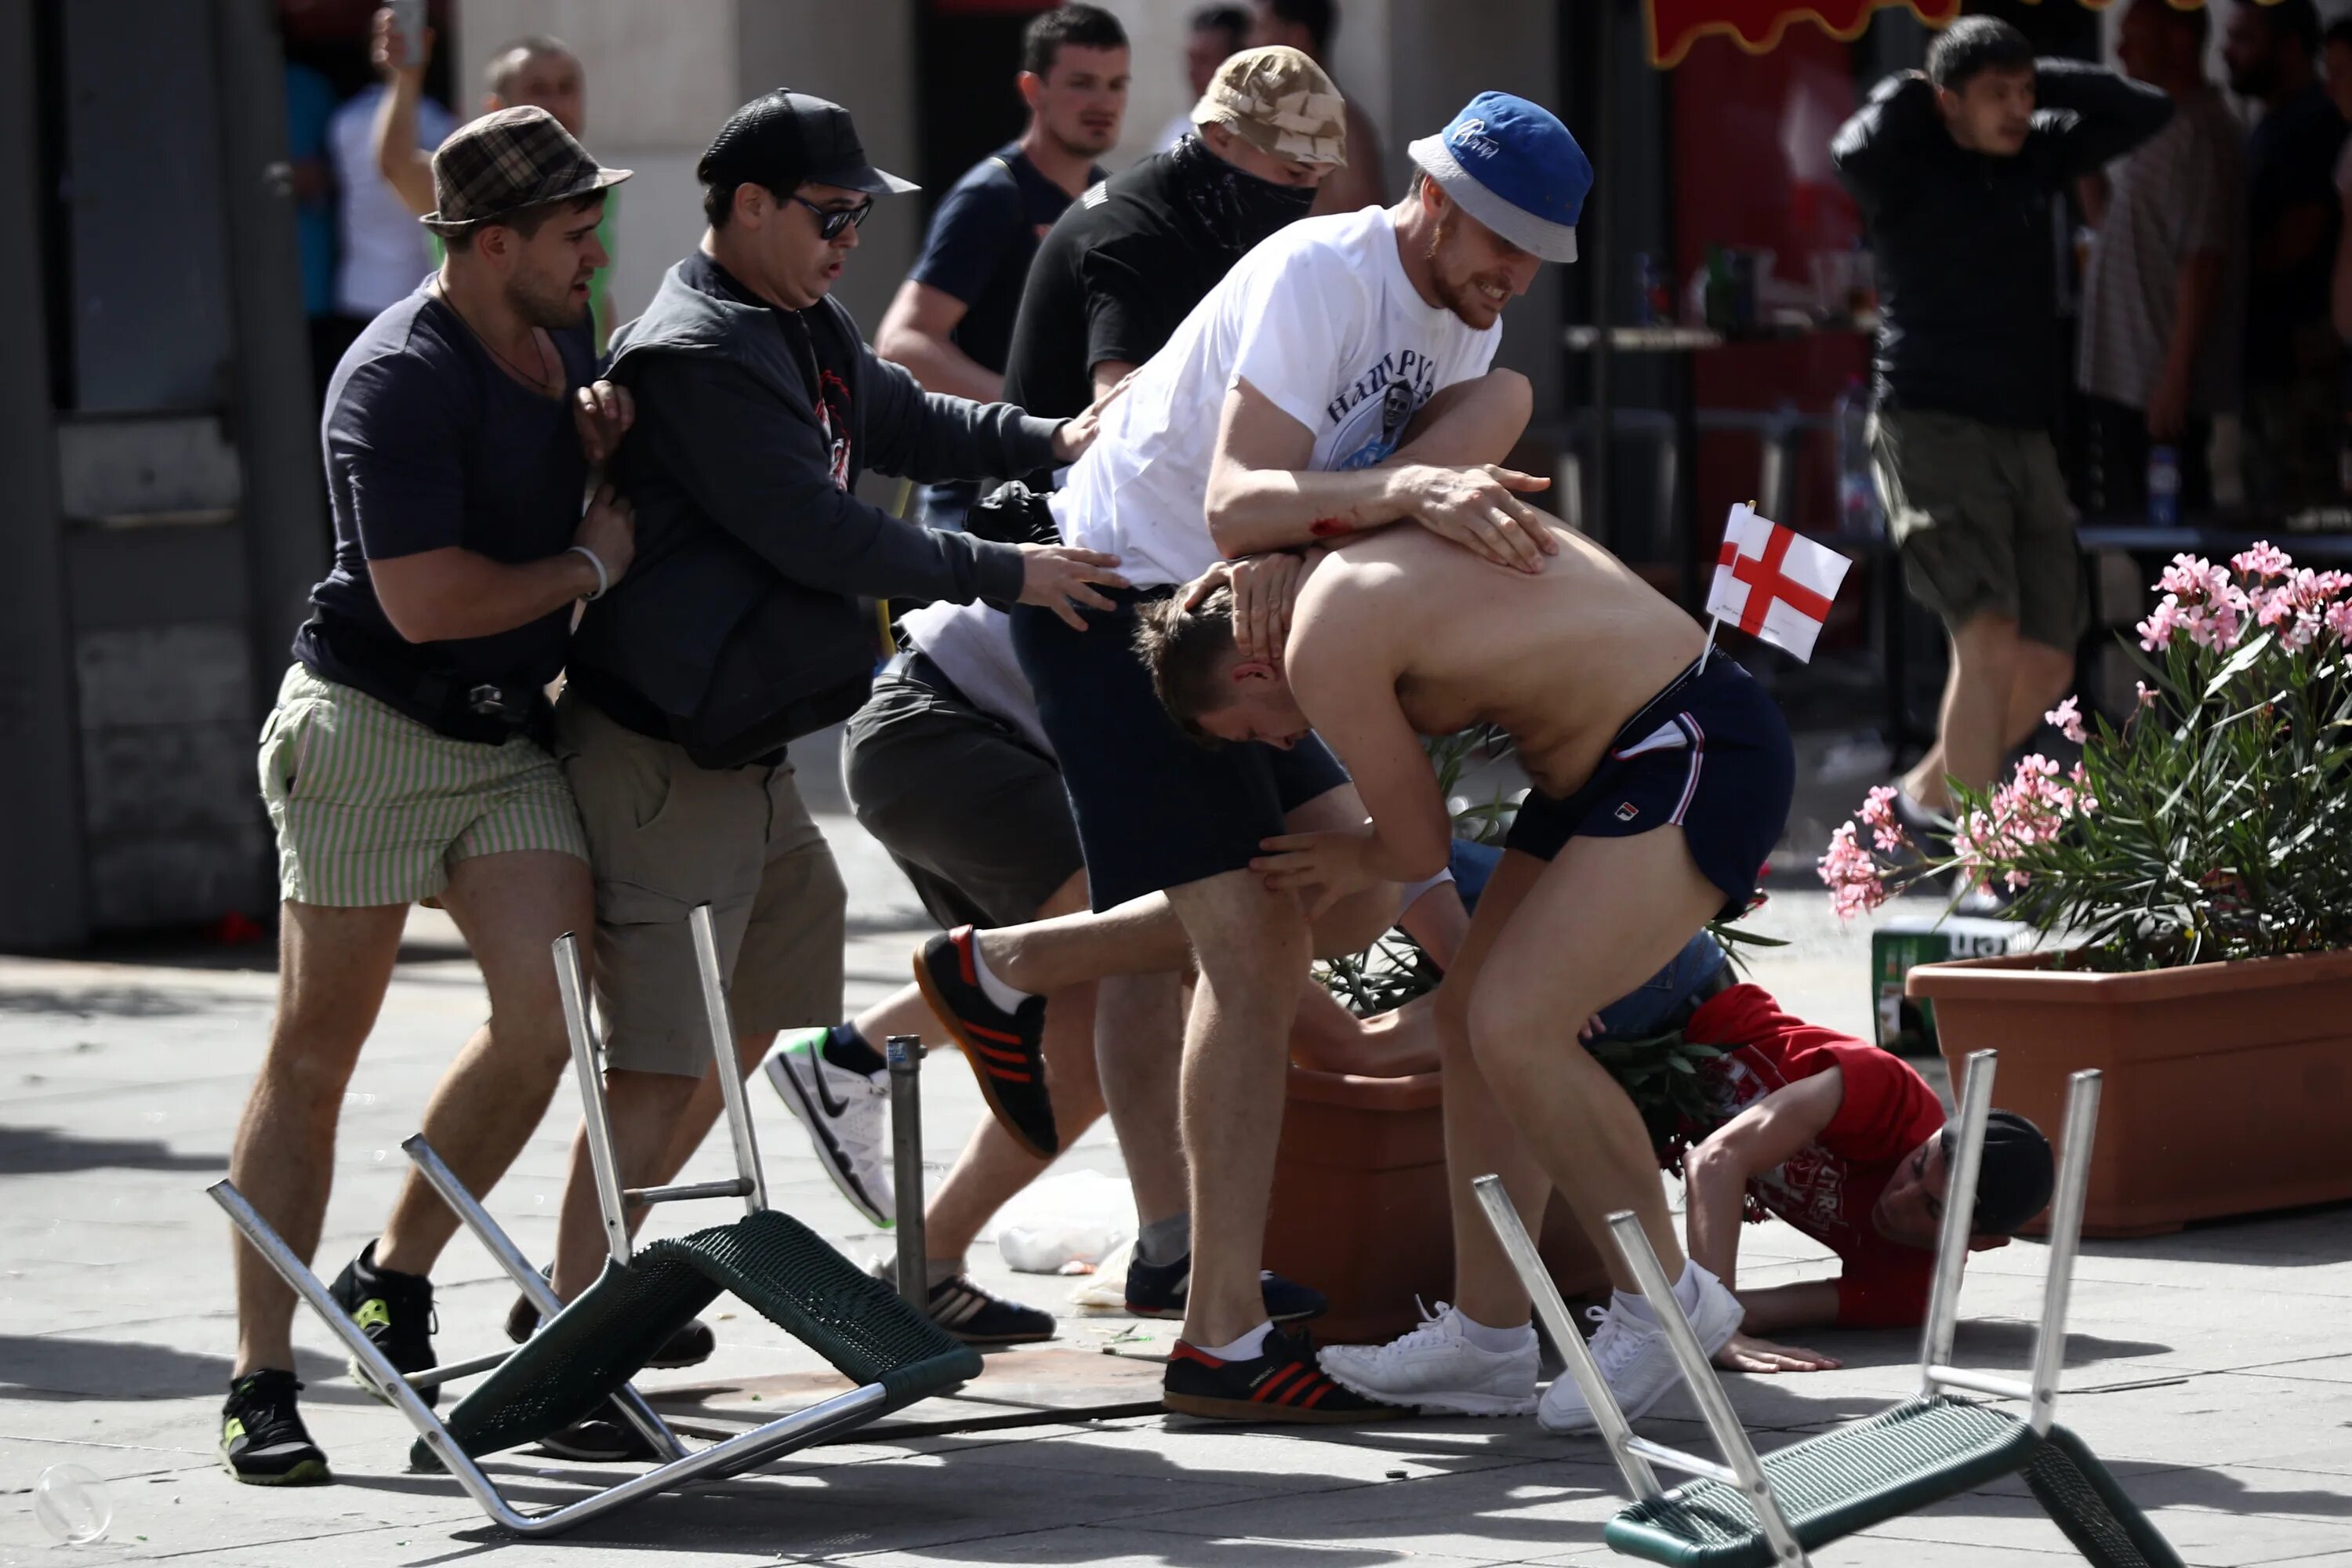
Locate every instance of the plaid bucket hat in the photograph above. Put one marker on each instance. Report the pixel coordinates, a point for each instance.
(1278, 102)
(505, 162)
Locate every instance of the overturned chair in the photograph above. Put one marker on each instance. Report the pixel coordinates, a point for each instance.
(586, 1353)
(1767, 1513)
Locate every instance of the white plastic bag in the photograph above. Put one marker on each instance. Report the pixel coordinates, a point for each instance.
(1078, 1217)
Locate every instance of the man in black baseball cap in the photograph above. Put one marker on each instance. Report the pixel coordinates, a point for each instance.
(757, 407)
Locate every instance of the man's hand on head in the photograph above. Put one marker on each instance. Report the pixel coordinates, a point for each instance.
(1480, 508)
(603, 413)
(1265, 592)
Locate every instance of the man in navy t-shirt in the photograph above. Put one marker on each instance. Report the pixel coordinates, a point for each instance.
(951, 323)
(404, 760)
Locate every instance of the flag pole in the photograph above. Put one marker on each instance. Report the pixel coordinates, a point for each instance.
(1714, 625)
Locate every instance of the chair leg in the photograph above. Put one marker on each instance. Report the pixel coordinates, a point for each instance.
(2081, 1498)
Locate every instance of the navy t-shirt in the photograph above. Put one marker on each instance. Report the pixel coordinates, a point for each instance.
(981, 242)
(430, 444)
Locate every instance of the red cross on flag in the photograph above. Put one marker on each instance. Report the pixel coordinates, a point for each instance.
(1773, 582)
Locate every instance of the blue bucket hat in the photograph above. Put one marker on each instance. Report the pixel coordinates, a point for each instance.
(1512, 165)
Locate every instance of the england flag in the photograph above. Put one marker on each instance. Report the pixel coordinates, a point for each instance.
(1773, 582)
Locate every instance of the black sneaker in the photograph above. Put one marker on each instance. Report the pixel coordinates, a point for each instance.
(1282, 1383)
(973, 1315)
(604, 1439)
(263, 1442)
(1007, 1050)
(1159, 1291)
(690, 1346)
(395, 1313)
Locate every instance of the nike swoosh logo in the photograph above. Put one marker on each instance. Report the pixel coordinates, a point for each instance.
(816, 1070)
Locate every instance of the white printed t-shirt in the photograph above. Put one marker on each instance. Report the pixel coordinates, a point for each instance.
(972, 646)
(1321, 318)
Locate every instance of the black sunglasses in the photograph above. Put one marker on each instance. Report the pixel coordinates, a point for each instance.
(831, 221)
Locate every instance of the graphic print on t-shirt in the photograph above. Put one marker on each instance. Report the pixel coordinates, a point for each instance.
(1372, 413)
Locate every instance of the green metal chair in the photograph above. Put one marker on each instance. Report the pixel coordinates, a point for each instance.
(586, 1352)
(1767, 1512)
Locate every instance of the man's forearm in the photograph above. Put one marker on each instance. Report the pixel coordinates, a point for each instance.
(941, 366)
(470, 595)
(405, 166)
(1715, 1197)
(1252, 511)
(2197, 292)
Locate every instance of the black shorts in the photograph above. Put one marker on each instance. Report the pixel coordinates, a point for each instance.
(1709, 754)
(1156, 809)
(973, 814)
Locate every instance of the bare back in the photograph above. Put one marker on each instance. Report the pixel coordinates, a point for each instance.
(1559, 659)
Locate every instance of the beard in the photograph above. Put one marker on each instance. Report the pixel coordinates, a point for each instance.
(545, 304)
(1462, 296)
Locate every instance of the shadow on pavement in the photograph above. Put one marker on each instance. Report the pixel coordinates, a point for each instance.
(60, 1367)
(49, 1150)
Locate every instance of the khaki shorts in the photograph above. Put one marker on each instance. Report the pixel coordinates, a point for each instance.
(371, 807)
(663, 835)
(1981, 516)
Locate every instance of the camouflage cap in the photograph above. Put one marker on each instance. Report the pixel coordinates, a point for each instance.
(1279, 101)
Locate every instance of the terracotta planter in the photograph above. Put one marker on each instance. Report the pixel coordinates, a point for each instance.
(2229, 1086)
(1359, 1206)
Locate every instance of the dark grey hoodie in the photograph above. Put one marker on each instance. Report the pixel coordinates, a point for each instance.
(737, 627)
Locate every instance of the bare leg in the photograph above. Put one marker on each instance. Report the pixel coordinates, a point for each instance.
(510, 907)
(332, 967)
(1480, 1137)
(1138, 1058)
(1978, 698)
(2042, 675)
(1142, 936)
(1253, 948)
(644, 1108)
(1605, 914)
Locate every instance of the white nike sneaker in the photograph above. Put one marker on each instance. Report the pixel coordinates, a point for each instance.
(1633, 1357)
(1436, 1367)
(847, 1117)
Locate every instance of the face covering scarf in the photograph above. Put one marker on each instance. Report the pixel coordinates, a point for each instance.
(1235, 210)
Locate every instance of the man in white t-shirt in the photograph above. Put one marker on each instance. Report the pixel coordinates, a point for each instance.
(383, 255)
(1311, 394)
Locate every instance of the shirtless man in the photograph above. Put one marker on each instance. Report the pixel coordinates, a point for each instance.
(1662, 780)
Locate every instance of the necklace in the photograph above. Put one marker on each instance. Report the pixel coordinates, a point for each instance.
(539, 380)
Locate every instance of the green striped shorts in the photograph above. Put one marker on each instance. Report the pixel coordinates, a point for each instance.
(373, 807)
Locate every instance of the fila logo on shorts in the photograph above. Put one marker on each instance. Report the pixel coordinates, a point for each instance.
(1677, 733)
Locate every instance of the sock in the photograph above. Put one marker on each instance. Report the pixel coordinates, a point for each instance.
(1165, 1241)
(1685, 1296)
(1495, 1341)
(995, 990)
(847, 1050)
(938, 1271)
(1249, 1347)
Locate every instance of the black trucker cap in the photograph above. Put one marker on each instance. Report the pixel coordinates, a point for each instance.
(783, 140)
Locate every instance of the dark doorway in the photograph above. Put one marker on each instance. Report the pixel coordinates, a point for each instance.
(966, 53)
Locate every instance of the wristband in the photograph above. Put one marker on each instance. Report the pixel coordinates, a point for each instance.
(603, 579)
(1414, 890)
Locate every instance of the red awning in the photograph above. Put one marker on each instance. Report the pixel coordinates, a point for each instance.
(1756, 26)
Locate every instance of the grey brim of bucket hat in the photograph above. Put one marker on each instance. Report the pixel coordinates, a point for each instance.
(1538, 237)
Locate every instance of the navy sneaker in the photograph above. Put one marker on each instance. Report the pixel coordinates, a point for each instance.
(263, 1442)
(1159, 1291)
(1282, 1383)
(395, 1311)
(975, 1316)
(1007, 1050)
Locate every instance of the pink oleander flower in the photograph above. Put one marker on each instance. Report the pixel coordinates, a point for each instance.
(2068, 717)
(1851, 874)
(1886, 827)
(2156, 632)
(2190, 576)
(2146, 693)
(2339, 619)
(2265, 560)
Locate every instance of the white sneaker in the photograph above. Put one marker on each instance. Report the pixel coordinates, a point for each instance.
(1635, 1362)
(846, 1114)
(1436, 1368)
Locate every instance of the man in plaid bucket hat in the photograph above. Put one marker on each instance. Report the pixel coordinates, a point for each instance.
(406, 757)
